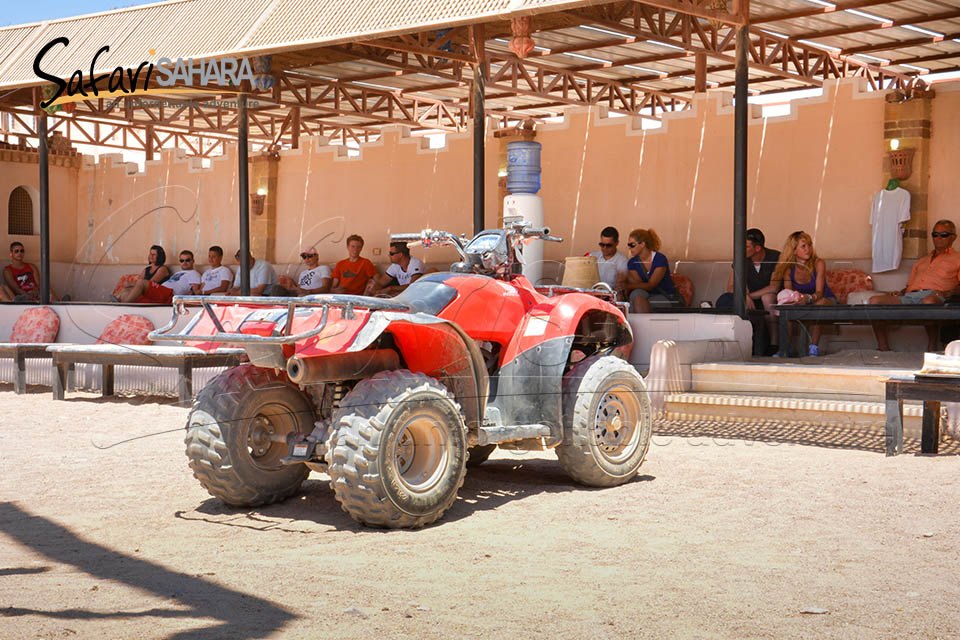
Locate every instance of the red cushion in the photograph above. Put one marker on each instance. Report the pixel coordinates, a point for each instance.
(39, 324)
(126, 329)
(685, 286)
(843, 282)
(126, 281)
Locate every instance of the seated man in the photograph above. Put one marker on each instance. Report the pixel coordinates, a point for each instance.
(350, 276)
(761, 294)
(611, 264)
(21, 280)
(317, 278)
(185, 282)
(934, 278)
(262, 276)
(217, 278)
(402, 271)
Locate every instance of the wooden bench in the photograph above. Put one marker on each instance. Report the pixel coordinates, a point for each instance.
(20, 352)
(932, 390)
(862, 314)
(183, 359)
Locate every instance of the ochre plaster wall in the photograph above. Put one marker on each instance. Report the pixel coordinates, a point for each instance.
(63, 209)
(945, 155)
(815, 169)
(394, 186)
(174, 202)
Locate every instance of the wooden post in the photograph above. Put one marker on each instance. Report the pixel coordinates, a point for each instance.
(700, 80)
(243, 184)
(740, 174)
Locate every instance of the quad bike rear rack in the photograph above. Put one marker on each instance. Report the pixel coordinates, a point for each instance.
(346, 302)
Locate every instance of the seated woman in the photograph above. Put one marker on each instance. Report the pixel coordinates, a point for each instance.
(648, 272)
(155, 271)
(800, 270)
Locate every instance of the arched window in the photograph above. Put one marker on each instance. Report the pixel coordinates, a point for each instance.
(20, 213)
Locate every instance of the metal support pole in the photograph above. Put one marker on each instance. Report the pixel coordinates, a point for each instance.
(244, 183)
(479, 89)
(740, 174)
(44, 162)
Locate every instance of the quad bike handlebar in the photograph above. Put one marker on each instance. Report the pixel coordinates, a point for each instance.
(492, 251)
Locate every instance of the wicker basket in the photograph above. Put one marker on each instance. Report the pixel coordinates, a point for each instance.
(901, 163)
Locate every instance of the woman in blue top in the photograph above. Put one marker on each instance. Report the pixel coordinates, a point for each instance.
(803, 271)
(648, 272)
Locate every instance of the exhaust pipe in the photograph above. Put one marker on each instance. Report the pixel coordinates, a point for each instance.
(341, 366)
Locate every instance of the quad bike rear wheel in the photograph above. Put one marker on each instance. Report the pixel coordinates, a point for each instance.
(606, 422)
(236, 436)
(397, 453)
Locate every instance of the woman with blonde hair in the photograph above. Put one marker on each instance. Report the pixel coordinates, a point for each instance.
(648, 272)
(802, 271)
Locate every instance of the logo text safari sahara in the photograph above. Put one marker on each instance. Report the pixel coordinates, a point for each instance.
(224, 72)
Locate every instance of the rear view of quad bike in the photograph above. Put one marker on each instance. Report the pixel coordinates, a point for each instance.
(394, 399)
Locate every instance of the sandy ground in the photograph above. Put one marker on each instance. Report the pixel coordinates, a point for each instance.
(731, 531)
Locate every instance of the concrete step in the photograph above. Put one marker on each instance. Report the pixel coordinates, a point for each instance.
(827, 412)
(864, 384)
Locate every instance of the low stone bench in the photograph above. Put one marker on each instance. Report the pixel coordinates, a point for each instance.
(20, 352)
(183, 359)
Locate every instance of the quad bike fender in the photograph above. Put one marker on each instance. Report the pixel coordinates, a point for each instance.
(573, 314)
(529, 386)
(440, 349)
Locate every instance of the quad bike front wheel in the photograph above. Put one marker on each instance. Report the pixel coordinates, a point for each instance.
(398, 450)
(606, 422)
(236, 436)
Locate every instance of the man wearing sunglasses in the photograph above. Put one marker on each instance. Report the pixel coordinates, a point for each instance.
(21, 280)
(185, 282)
(611, 264)
(934, 278)
(403, 270)
(317, 277)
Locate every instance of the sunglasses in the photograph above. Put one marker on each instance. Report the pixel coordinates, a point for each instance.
(393, 253)
(941, 234)
(304, 256)
(632, 244)
(606, 244)
(17, 251)
(182, 260)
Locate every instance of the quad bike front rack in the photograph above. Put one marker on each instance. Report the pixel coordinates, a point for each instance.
(346, 302)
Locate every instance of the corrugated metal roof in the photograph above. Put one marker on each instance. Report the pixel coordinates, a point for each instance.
(210, 28)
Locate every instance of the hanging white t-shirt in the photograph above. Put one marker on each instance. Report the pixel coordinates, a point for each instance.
(889, 211)
(214, 277)
(610, 268)
(313, 278)
(405, 277)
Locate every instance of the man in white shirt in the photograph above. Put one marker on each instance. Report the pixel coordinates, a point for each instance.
(317, 277)
(217, 278)
(611, 264)
(183, 283)
(262, 276)
(403, 270)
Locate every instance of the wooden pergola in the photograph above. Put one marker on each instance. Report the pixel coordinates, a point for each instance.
(356, 66)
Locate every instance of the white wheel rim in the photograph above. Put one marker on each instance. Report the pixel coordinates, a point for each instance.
(420, 453)
(616, 423)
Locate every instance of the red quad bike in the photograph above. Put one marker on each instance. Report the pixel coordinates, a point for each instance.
(394, 398)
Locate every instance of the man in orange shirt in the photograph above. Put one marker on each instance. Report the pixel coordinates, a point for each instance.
(934, 278)
(350, 276)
